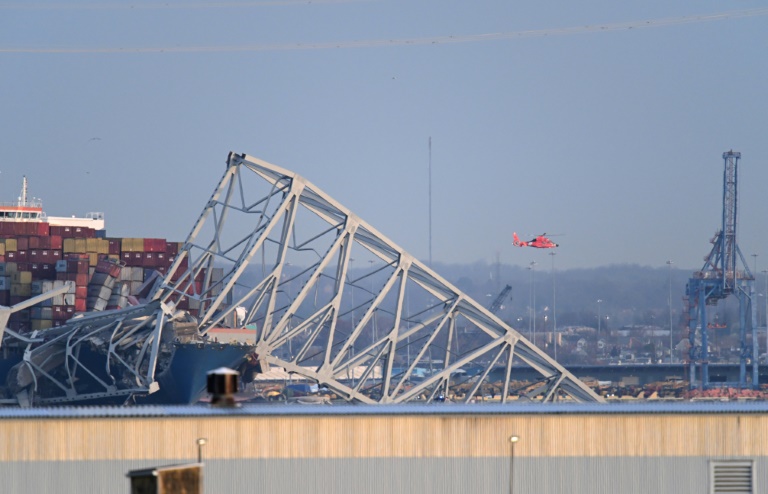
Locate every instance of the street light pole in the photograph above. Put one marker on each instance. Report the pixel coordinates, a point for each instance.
(599, 301)
(512, 440)
(765, 272)
(533, 289)
(554, 305)
(671, 346)
(200, 443)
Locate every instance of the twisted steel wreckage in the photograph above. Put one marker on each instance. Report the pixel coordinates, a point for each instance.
(326, 296)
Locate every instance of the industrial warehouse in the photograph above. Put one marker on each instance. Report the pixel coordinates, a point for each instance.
(452, 449)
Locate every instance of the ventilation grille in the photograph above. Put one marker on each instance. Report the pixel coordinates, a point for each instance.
(732, 477)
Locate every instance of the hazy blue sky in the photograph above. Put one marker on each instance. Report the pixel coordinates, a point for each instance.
(603, 121)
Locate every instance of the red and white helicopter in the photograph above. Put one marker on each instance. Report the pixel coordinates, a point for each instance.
(539, 242)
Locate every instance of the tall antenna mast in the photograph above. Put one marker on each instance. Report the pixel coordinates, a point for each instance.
(23, 198)
(430, 201)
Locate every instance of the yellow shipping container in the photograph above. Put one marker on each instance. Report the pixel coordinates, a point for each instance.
(21, 277)
(69, 245)
(81, 245)
(126, 245)
(103, 246)
(10, 245)
(92, 245)
(38, 324)
(93, 259)
(2, 249)
(21, 289)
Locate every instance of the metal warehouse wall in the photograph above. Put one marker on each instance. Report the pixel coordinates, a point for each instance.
(250, 451)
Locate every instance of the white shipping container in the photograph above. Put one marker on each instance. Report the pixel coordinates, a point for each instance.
(103, 279)
(99, 292)
(41, 286)
(137, 274)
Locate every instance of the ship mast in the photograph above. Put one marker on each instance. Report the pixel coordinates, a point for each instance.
(23, 198)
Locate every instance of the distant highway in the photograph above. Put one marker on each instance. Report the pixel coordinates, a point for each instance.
(641, 374)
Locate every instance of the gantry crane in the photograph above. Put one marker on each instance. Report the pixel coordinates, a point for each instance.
(500, 298)
(724, 273)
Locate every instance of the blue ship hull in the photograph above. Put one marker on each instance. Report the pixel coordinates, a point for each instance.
(184, 381)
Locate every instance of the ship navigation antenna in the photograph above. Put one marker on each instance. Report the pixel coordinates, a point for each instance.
(23, 198)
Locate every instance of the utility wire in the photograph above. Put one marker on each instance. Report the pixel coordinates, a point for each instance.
(568, 31)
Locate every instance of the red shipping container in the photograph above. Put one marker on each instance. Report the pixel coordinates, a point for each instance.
(10, 255)
(150, 260)
(77, 266)
(56, 242)
(155, 245)
(34, 255)
(172, 249)
(80, 305)
(22, 256)
(184, 262)
(2, 258)
(55, 255)
(80, 279)
(43, 229)
(55, 230)
(22, 243)
(81, 292)
(114, 246)
(83, 232)
(34, 242)
(62, 277)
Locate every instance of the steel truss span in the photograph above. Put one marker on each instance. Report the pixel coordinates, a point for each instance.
(332, 299)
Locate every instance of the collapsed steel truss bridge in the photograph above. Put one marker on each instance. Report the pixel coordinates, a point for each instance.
(326, 295)
(334, 300)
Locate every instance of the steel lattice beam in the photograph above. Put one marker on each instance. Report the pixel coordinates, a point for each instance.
(336, 301)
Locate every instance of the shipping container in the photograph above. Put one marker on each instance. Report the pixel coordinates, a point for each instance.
(21, 290)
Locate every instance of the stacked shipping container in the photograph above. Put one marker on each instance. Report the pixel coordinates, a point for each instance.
(36, 257)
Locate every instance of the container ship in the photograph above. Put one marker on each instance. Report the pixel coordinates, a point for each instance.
(79, 277)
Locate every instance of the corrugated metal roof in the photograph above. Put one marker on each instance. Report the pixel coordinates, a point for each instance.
(261, 410)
